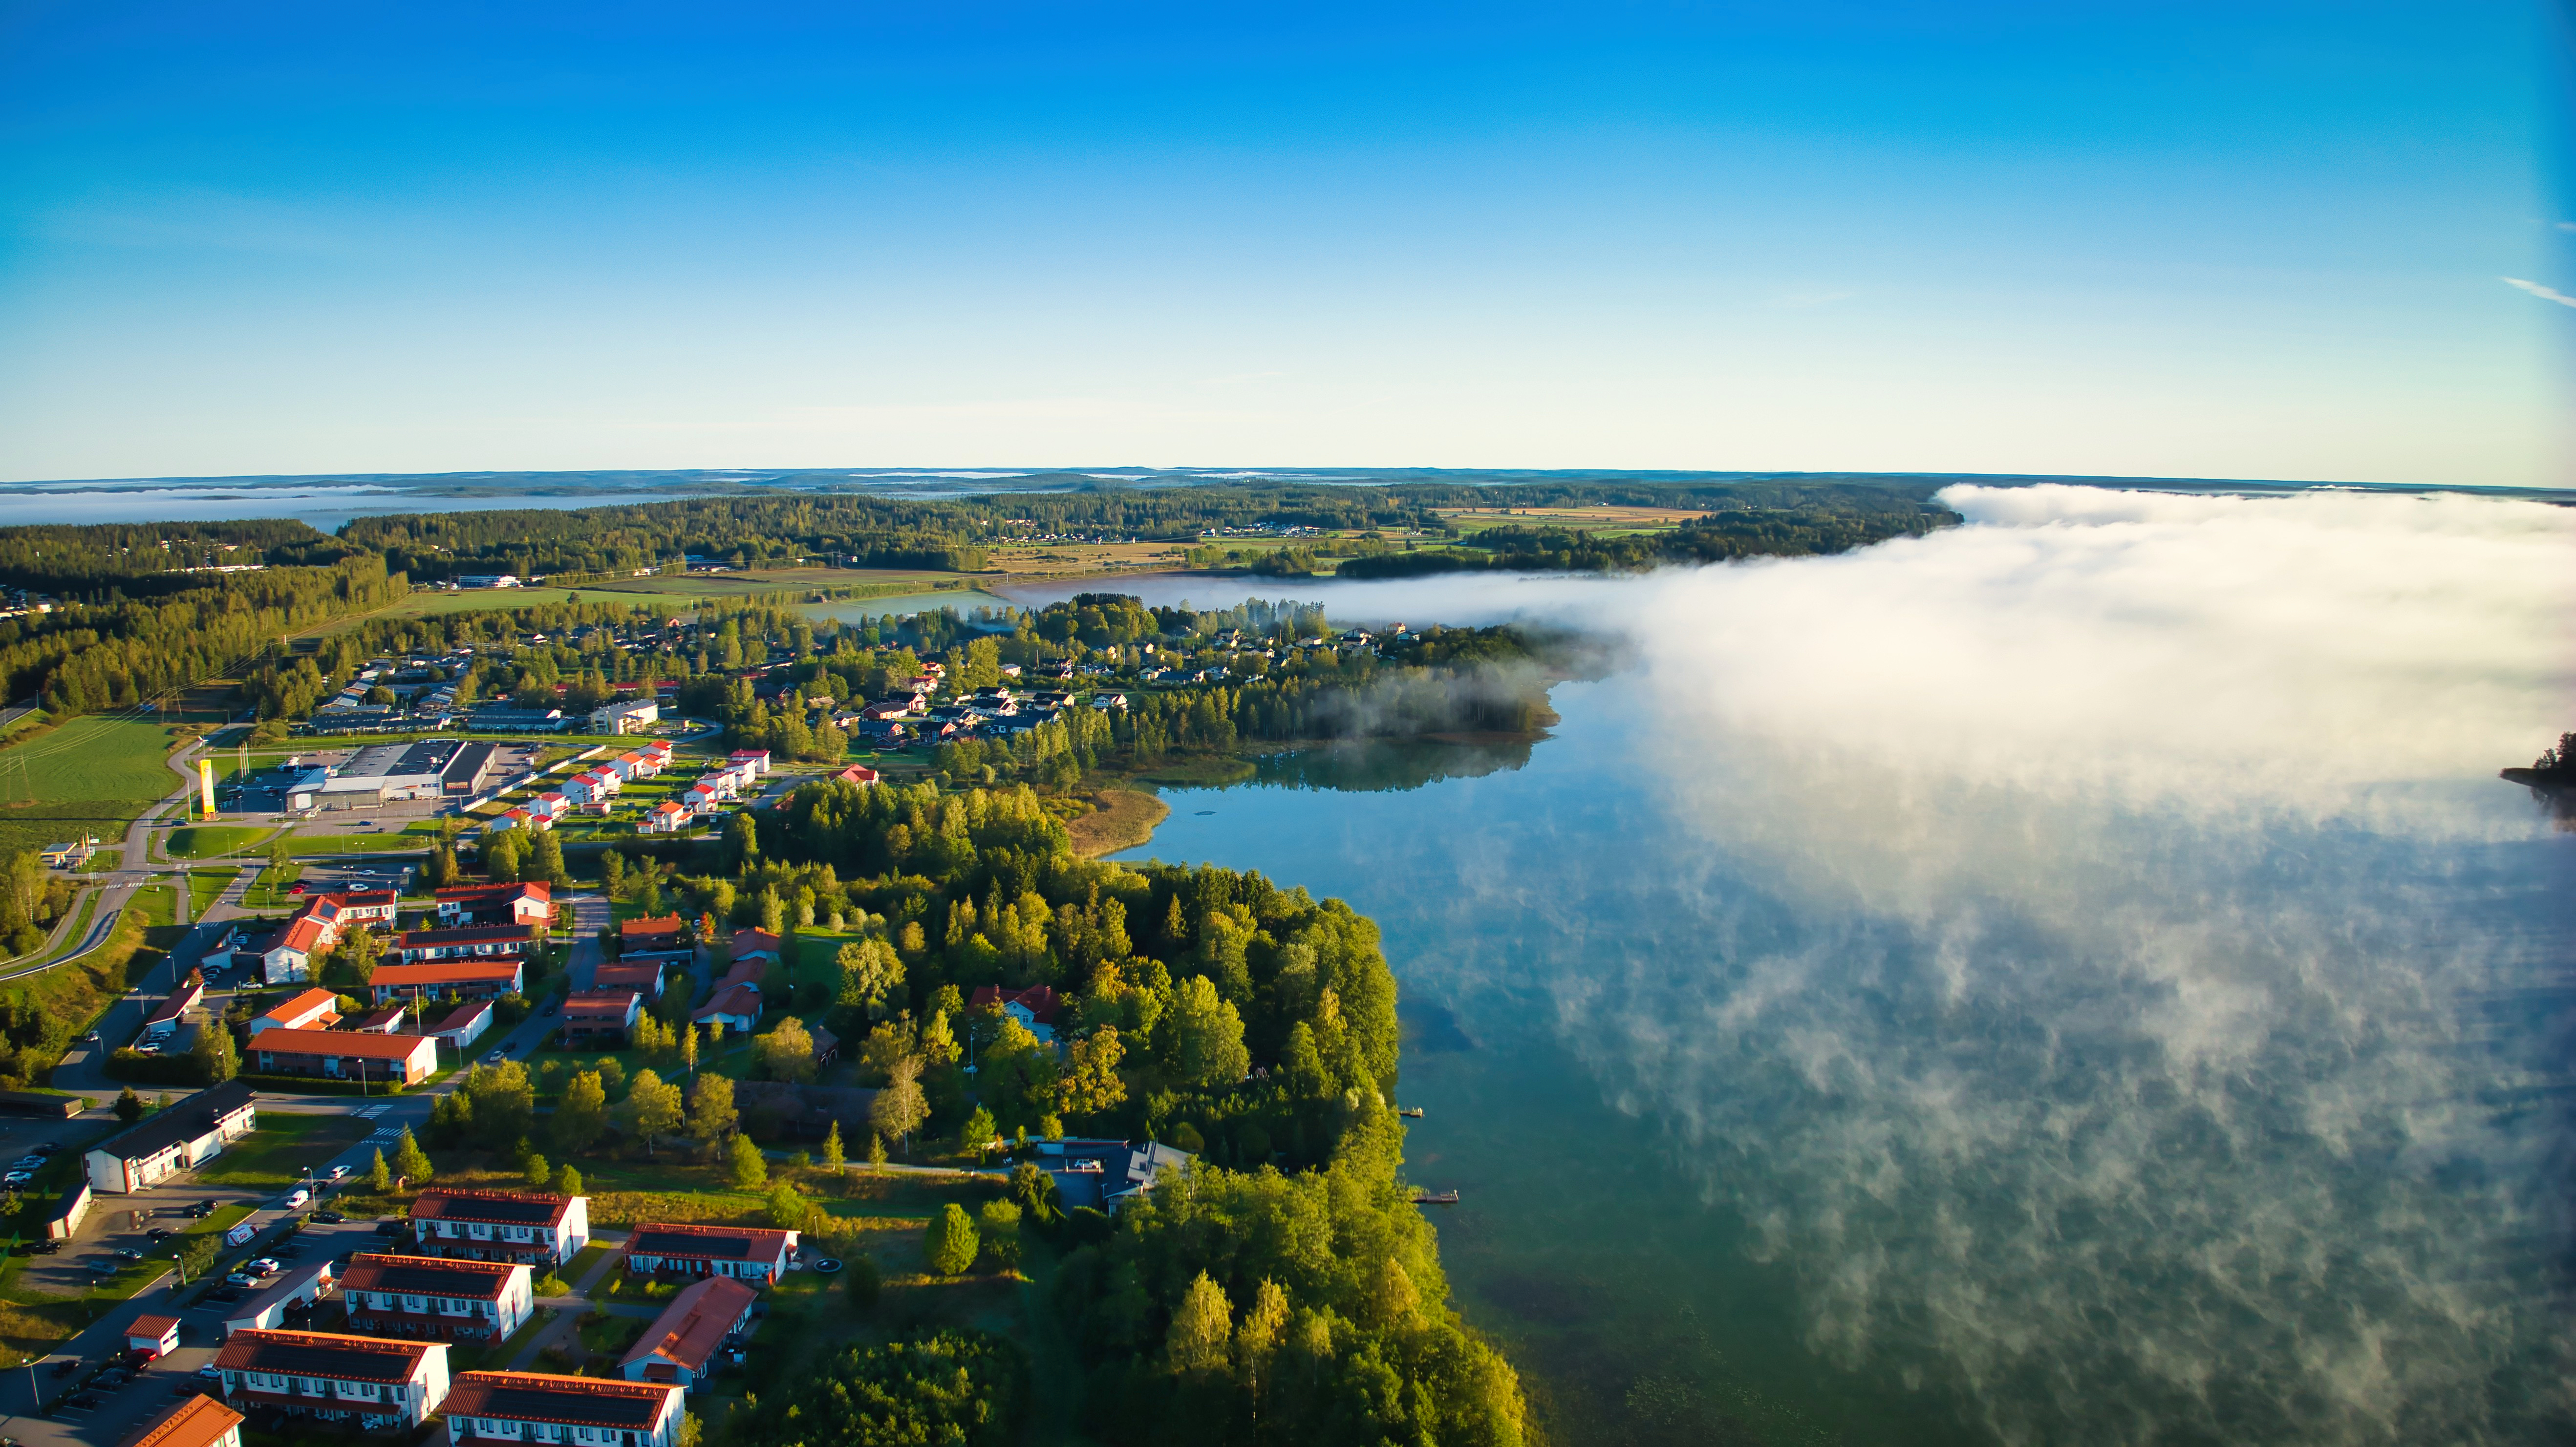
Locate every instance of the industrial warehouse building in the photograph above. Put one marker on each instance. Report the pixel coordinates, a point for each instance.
(430, 769)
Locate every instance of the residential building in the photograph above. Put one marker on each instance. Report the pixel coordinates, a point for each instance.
(379, 1383)
(859, 774)
(462, 1026)
(530, 904)
(442, 1298)
(758, 759)
(657, 938)
(682, 1345)
(667, 817)
(1106, 1174)
(500, 944)
(286, 957)
(625, 717)
(577, 1411)
(639, 765)
(166, 1016)
(737, 1005)
(749, 1254)
(519, 819)
(387, 1021)
(537, 1227)
(755, 944)
(601, 1014)
(643, 976)
(307, 1010)
(195, 1422)
(1035, 1007)
(180, 1138)
(346, 1055)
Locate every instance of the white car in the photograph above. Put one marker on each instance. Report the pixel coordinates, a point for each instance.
(265, 1266)
(15, 1179)
(339, 1171)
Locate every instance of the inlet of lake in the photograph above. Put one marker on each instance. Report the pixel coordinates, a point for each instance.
(1997, 989)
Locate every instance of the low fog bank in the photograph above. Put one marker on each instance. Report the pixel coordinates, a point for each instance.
(2094, 951)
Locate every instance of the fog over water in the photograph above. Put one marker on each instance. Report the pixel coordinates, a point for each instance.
(2076, 974)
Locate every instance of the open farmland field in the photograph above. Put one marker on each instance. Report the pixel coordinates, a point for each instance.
(1603, 519)
(91, 776)
(1055, 560)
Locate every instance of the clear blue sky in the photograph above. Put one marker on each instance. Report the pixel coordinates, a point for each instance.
(2210, 239)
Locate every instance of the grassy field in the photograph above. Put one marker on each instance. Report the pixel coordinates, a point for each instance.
(276, 1155)
(91, 776)
(158, 904)
(264, 893)
(333, 841)
(204, 889)
(207, 841)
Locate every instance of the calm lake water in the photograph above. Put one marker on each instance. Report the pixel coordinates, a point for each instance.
(2028, 987)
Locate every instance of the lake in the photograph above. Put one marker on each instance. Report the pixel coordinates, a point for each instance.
(2075, 979)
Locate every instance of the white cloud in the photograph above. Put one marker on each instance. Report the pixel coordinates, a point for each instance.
(2542, 292)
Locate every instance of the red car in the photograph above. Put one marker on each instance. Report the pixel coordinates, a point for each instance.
(296, 888)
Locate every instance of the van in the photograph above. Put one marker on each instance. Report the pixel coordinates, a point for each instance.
(240, 1235)
(297, 1197)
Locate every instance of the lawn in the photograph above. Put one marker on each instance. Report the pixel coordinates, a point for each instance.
(264, 890)
(91, 776)
(208, 841)
(203, 890)
(610, 1336)
(284, 1147)
(158, 904)
(335, 842)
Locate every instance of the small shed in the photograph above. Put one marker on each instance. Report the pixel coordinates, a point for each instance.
(156, 1334)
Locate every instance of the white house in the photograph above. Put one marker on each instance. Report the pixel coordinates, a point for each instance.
(180, 1138)
(538, 1227)
(574, 1411)
(325, 1374)
(624, 718)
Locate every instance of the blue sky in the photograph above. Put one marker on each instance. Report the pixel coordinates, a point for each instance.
(2168, 239)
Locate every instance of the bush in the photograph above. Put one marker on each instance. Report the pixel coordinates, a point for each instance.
(999, 1224)
(961, 1387)
(949, 1242)
(864, 1282)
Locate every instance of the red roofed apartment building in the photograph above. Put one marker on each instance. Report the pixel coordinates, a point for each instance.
(469, 979)
(530, 904)
(745, 1253)
(346, 1055)
(538, 1227)
(535, 1407)
(195, 1422)
(286, 957)
(312, 1010)
(439, 1298)
(325, 1374)
(682, 1344)
(652, 939)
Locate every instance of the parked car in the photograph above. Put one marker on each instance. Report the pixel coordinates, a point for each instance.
(27, 1163)
(265, 1266)
(240, 1278)
(225, 1294)
(47, 1248)
(496, 1057)
(208, 1205)
(329, 1218)
(128, 1253)
(210, 1373)
(47, 1149)
(16, 1179)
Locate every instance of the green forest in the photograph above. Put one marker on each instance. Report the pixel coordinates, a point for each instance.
(1285, 1289)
